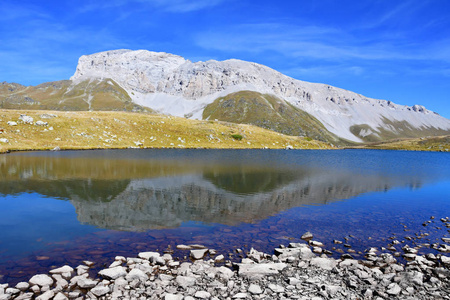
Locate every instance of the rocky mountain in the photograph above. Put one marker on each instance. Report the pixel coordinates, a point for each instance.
(231, 90)
(173, 85)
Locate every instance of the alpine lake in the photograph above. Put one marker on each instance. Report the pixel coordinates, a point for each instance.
(65, 207)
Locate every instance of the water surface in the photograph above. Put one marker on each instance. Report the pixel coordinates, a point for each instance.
(64, 207)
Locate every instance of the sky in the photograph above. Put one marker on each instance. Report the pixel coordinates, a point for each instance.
(384, 49)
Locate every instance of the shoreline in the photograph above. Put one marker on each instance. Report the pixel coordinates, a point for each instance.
(297, 271)
(38, 130)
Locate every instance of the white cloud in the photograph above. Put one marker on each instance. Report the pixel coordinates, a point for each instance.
(310, 42)
(182, 6)
(174, 6)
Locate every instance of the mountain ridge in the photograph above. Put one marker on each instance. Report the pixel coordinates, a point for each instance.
(173, 85)
(141, 80)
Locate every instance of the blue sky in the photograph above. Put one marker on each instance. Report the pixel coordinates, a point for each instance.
(393, 50)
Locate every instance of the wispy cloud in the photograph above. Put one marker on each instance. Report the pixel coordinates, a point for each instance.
(311, 43)
(182, 6)
(174, 6)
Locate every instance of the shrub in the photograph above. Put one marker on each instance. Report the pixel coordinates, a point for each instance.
(236, 137)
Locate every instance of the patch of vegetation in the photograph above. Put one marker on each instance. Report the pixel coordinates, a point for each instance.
(270, 112)
(236, 137)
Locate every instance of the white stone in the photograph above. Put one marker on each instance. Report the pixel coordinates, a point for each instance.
(64, 269)
(26, 119)
(86, 283)
(198, 253)
(41, 123)
(169, 296)
(225, 273)
(3, 140)
(46, 296)
(23, 286)
(60, 296)
(185, 281)
(445, 260)
(136, 274)
(324, 263)
(394, 289)
(256, 271)
(240, 296)
(202, 295)
(12, 123)
(113, 273)
(41, 280)
(12, 291)
(219, 258)
(148, 255)
(255, 289)
(100, 290)
(276, 288)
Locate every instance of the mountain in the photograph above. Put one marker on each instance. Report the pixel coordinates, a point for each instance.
(173, 85)
(230, 90)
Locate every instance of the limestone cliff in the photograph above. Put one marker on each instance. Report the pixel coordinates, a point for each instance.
(173, 85)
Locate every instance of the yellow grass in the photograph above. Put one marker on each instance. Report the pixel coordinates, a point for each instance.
(434, 143)
(108, 130)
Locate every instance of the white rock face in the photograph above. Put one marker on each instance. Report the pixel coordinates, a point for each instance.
(173, 85)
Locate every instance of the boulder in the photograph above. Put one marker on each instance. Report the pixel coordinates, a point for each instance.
(323, 263)
(100, 291)
(257, 271)
(307, 236)
(148, 255)
(198, 253)
(41, 280)
(136, 274)
(64, 269)
(113, 273)
(185, 281)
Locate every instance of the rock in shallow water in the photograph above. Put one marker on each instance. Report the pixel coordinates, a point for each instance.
(198, 253)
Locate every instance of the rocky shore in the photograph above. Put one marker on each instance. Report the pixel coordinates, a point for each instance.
(295, 271)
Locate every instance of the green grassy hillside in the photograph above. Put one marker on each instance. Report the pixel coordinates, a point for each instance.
(268, 112)
(64, 95)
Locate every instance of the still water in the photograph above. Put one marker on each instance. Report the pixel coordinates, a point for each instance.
(61, 208)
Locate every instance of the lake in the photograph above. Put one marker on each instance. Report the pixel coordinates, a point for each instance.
(65, 207)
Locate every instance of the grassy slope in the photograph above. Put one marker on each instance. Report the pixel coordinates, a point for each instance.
(92, 130)
(62, 95)
(268, 112)
(435, 143)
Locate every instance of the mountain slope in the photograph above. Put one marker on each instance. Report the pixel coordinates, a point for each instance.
(268, 112)
(92, 94)
(173, 85)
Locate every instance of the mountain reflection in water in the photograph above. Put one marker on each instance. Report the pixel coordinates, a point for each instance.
(138, 191)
